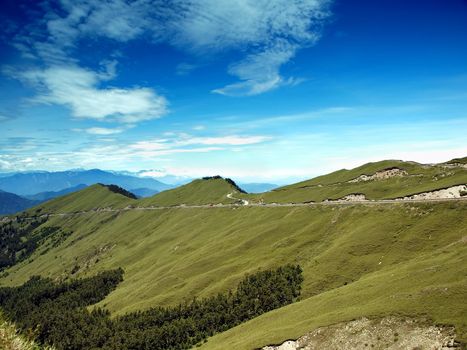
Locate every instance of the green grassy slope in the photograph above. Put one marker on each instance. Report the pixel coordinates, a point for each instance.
(393, 258)
(432, 285)
(420, 178)
(358, 260)
(92, 197)
(201, 191)
(214, 190)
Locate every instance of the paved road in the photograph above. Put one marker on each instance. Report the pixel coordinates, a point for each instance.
(248, 205)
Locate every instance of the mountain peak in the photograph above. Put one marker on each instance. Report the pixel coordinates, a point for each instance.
(207, 190)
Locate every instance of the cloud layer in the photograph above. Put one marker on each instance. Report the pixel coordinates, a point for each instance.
(78, 89)
(30, 153)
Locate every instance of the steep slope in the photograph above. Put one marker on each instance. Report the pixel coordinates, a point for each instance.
(387, 179)
(32, 183)
(208, 190)
(91, 198)
(357, 260)
(11, 203)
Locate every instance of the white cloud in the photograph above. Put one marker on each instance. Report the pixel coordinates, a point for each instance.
(219, 24)
(185, 140)
(232, 140)
(184, 143)
(259, 72)
(155, 145)
(103, 131)
(78, 89)
(274, 30)
(153, 173)
(268, 31)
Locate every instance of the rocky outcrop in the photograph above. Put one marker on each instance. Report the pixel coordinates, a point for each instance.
(454, 165)
(380, 175)
(394, 333)
(353, 197)
(446, 193)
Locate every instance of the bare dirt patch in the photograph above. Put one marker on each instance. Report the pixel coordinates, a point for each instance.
(455, 165)
(391, 332)
(354, 197)
(459, 191)
(380, 175)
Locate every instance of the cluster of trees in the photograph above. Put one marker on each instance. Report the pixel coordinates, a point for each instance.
(57, 313)
(120, 190)
(228, 180)
(17, 240)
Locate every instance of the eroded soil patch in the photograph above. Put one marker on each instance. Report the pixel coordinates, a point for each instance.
(394, 333)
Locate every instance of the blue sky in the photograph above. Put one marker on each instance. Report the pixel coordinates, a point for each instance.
(255, 90)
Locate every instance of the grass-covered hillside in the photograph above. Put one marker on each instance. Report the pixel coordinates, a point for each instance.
(406, 178)
(382, 180)
(209, 190)
(357, 260)
(92, 197)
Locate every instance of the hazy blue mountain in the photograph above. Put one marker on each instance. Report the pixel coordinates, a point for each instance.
(11, 203)
(173, 180)
(144, 192)
(257, 187)
(36, 182)
(45, 196)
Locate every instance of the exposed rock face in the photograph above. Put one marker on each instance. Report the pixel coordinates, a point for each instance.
(451, 192)
(455, 165)
(381, 175)
(354, 197)
(392, 333)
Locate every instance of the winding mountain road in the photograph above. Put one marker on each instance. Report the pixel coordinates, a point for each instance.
(243, 204)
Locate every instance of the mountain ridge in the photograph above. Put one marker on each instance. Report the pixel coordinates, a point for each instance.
(32, 183)
(357, 259)
(11, 203)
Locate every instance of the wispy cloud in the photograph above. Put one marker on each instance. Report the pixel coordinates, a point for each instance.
(269, 32)
(185, 140)
(272, 31)
(232, 140)
(28, 153)
(79, 89)
(185, 68)
(259, 72)
(102, 131)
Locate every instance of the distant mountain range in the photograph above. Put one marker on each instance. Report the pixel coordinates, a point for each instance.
(27, 189)
(365, 246)
(32, 183)
(144, 192)
(45, 196)
(11, 203)
(257, 187)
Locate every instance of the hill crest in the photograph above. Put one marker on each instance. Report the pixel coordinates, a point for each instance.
(207, 190)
